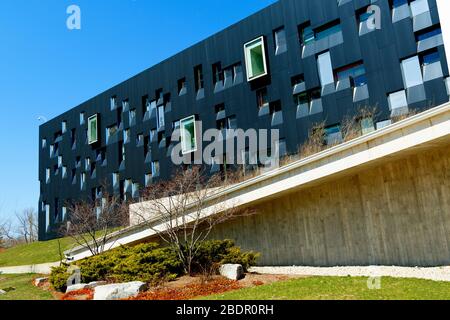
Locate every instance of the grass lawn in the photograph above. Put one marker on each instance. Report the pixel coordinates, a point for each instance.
(34, 253)
(24, 288)
(342, 288)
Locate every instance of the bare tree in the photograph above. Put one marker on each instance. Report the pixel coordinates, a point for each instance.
(91, 223)
(184, 210)
(27, 225)
(6, 233)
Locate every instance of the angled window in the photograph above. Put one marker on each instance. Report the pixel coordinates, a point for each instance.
(113, 103)
(306, 34)
(182, 88)
(333, 135)
(255, 59)
(261, 98)
(325, 68)
(412, 72)
(280, 41)
(198, 75)
(93, 129)
(218, 75)
(355, 73)
(188, 135)
(155, 168)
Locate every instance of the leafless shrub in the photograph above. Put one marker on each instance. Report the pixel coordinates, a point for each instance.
(410, 113)
(351, 125)
(184, 210)
(315, 142)
(91, 223)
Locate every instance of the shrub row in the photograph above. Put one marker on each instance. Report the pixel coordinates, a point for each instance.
(151, 263)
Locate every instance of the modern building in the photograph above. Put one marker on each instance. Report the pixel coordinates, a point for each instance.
(288, 67)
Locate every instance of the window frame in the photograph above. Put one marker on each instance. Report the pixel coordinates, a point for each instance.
(260, 41)
(189, 119)
(91, 119)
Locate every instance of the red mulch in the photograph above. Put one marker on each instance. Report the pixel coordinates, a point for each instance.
(190, 291)
(84, 294)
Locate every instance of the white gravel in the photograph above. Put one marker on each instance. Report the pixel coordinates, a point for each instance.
(436, 274)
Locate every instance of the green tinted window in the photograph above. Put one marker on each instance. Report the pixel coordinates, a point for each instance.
(93, 129)
(188, 135)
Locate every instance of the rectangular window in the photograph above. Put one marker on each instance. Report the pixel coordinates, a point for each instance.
(325, 69)
(64, 127)
(82, 118)
(93, 129)
(427, 33)
(328, 30)
(280, 41)
(161, 120)
(356, 73)
(306, 33)
(188, 135)
(429, 57)
(333, 135)
(113, 103)
(261, 97)
(217, 73)
(255, 59)
(155, 168)
(198, 75)
(132, 117)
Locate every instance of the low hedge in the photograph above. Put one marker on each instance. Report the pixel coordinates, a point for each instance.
(151, 263)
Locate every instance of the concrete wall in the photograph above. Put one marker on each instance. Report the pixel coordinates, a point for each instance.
(397, 213)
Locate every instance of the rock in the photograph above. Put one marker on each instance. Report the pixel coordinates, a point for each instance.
(76, 287)
(2, 292)
(96, 284)
(40, 281)
(232, 271)
(119, 291)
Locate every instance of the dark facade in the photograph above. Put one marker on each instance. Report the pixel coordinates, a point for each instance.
(323, 62)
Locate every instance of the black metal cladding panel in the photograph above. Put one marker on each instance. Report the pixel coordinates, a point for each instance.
(381, 52)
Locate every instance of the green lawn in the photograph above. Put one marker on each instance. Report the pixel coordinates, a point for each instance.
(24, 289)
(35, 253)
(342, 288)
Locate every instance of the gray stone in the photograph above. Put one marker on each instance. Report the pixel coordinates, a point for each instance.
(96, 284)
(119, 291)
(76, 287)
(40, 281)
(2, 292)
(232, 271)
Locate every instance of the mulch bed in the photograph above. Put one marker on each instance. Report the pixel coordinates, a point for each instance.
(190, 291)
(84, 294)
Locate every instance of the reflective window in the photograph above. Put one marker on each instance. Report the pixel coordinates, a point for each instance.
(325, 68)
(411, 71)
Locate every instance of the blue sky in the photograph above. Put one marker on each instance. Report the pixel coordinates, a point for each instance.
(46, 69)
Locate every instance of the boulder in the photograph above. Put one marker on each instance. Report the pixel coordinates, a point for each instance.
(119, 291)
(40, 281)
(232, 271)
(76, 287)
(96, 284)
(2, 292)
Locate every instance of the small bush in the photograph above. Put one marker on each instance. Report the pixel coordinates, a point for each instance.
(217, 252)
(58, 277)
